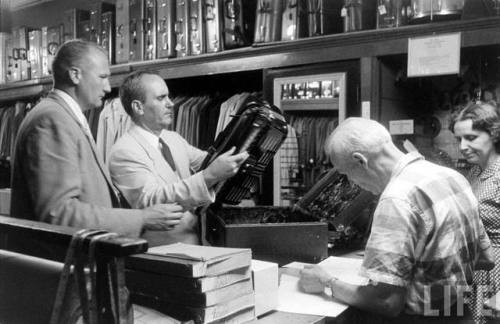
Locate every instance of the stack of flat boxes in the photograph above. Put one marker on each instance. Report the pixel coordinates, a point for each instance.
(226, 295)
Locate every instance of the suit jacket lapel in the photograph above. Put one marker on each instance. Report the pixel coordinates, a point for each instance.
(100, 163)
(64, 105)
(164, 170)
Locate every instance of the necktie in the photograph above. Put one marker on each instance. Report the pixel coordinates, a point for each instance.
(165, 151)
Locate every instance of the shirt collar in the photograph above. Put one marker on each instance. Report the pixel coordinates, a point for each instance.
(151, 138)
(490, 170)
(404, 161)
(74, 106)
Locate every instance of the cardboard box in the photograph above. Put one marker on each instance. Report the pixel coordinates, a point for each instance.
(325, 215)
(4, 56)
(265, 285)
(275, 234)
(5, 201)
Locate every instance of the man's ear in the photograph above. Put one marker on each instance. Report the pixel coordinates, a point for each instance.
(137, 107)
(360, 159)
(74, 74)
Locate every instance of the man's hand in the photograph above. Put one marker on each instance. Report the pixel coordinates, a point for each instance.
(223, 167)
(162, 217)
(313, 279)
(381, 298)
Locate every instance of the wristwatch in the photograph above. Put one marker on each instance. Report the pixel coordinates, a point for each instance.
(330, 284)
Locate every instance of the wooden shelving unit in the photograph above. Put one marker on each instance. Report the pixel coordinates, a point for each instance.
(329, 48)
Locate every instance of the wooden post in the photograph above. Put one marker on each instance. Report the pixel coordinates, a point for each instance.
(5, 20)
(370, 85)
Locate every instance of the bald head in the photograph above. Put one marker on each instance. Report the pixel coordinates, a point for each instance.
(356, 135)
(133, 88)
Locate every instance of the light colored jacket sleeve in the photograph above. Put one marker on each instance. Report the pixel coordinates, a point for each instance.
(145, 179)
(58, 180)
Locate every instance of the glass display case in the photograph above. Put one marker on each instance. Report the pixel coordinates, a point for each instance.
(313, 106)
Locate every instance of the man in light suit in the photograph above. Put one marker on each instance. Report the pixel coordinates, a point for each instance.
(57, 175)
(141, 169)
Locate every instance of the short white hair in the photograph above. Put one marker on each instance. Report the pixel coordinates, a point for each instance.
(356, 134)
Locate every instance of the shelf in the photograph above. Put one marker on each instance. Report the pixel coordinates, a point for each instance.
(337, 47)
(23, 4)
(311, 104)
(33, 88)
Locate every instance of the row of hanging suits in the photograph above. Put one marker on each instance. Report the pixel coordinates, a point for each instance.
(198, 119)
(312, 133)
(194, 119)
(10, 120)
(302, 155)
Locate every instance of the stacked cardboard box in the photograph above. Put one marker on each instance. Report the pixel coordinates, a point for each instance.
(5, 201)
(265, 284)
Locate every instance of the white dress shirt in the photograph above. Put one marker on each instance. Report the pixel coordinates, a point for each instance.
(151, 138)
(75, 109)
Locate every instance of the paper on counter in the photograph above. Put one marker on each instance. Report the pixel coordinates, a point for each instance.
(292, 299)
(346, 269)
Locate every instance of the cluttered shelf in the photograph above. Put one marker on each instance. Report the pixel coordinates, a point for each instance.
(335, 47)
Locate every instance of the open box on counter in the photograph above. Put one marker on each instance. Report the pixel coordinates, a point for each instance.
(276, 234)
(325, 215)
(302, 232)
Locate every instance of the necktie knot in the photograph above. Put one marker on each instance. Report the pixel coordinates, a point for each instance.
(167, 154)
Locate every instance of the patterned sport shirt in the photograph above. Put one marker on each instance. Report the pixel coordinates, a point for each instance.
(426, 232)
(486, 185)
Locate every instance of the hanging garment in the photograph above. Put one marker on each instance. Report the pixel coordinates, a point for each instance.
(112, 124)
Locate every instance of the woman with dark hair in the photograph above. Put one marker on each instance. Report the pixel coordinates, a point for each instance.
(477, 128)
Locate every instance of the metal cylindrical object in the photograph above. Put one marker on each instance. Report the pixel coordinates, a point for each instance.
(393, 13)
(353, 15)
(436, 9)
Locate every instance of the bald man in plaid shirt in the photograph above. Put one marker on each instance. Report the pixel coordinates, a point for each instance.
(426, 238)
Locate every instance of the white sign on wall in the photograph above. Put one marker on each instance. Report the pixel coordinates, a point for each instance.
(434, 55)
(365, 109)
(401, 127)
